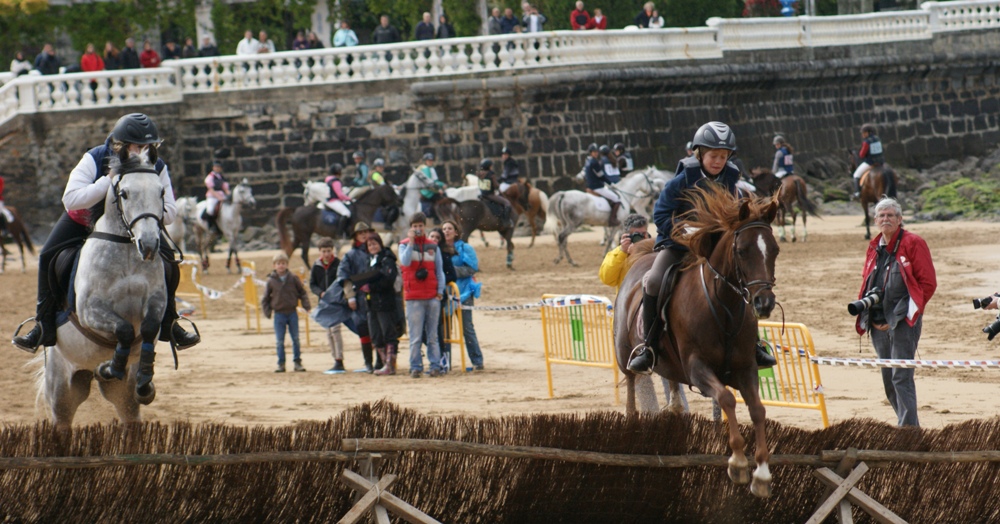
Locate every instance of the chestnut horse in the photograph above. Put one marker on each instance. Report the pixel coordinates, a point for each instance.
(791, 191)
(17, 231)
(879, 181)
(711, 333)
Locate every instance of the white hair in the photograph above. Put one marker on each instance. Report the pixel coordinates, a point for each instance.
(889, 203)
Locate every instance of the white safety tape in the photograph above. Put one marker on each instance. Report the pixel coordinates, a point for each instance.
(899, 363)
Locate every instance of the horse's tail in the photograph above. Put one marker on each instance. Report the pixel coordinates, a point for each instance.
(281, 222)
(554, 215)
(890, 181)
(543, 208)
(807, 205)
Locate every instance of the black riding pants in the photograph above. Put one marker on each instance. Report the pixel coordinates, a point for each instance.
(664, 259)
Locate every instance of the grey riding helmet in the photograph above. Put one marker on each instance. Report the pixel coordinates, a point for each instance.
(428, 156)
(135, 128)
(714, 135)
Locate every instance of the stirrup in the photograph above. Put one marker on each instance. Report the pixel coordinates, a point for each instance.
(632, 355)
(17, 332)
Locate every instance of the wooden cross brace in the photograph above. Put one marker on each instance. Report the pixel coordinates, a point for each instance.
(376, 499)
(843, 488)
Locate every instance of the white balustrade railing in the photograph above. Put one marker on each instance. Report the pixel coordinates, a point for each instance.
(455, 56)
(870, 28)
(464, 56)
(962, 16)
(758, 33)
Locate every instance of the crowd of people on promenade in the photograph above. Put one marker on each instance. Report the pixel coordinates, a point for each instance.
(130, 57)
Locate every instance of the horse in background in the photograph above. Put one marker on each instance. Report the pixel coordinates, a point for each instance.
(17, 231)
(724, 288)
(877, 182)
(574, 208)
(120, 293)
(475, 214)
(791, 193)
(186, 208)
(307, 219)
(230, 221)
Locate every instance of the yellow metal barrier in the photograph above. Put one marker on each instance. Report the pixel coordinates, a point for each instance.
(452, 319)
(187, 288)
(578, 333)
(795, 381)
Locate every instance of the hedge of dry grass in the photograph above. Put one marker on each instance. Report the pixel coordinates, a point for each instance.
(457, 488)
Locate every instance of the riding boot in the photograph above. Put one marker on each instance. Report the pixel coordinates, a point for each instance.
(170, 330)
(856, 184)
(44, 332)
(763, 356)
(643, 359)
(613, 217)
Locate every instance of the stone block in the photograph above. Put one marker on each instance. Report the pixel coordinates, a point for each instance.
(281, 164)
(317, 161)
(358, 133)
(249, 165)
(372, 102)
(391, 116)
(263, 125)
(295, 147)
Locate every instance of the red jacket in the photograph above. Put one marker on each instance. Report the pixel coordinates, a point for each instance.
(424, 252)
(594, 24)
(1, 189)
(916, 268)
(149, 58)
(91, 62)
(579, 19)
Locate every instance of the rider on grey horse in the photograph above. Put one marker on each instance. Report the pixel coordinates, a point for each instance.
(714, 144)
(84, 199)
(596, 178)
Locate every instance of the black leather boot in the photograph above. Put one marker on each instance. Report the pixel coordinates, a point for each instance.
(856, 184)
(44, 332)
(613, 217)
(763, 356)
(643, 359)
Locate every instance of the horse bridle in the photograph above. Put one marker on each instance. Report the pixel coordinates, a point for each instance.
(742, 287)
(121, 214)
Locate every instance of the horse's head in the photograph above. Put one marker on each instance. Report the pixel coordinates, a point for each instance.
(136, 197)
(243, 194)
(735, 238)
(754, 252)
(314, 192)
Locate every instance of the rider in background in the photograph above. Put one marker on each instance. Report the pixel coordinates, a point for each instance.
(361, 175)
(433, 186)
(216, 191)
(611, 173)
(714, 144)
(488, 188)
(783, 163)
(377, 177)
(83, 199)
(338, 198)
(624, 159)
(511, 171)
(870, 154)
(596, 180)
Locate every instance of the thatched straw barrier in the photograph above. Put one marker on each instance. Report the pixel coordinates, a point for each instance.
(460, 487)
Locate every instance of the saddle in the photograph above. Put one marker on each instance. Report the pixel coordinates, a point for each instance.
(890, 179)
(498, 210)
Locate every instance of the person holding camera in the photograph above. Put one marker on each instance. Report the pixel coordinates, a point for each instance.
(423, 289)
(613, 268)
(898, 280)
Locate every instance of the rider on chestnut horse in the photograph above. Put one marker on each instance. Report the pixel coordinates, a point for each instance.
(714, 144)
(488, 191)
(870, 155)
(511, 176)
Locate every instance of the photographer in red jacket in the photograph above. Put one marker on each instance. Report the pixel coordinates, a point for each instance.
(898, 280)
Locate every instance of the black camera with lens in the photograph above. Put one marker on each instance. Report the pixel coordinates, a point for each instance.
(421, 273)
(866, 302)
(980, 303)
(992, 329)
(635, 238)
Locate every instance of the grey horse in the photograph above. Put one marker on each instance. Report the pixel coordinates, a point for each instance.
(120, 291)
(230, 222)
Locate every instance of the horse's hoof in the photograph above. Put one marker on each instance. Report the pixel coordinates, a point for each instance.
(145, 394)
(793, 239)
(739, 474)
(760, 488)
(574, 264)
(106, 372)
(556, 261)
(782, 239)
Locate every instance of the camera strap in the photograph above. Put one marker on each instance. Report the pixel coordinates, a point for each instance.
(892, 258)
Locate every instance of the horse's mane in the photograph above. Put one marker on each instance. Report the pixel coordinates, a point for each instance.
(716, 215)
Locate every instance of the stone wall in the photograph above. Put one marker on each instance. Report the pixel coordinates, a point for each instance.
(932, 101)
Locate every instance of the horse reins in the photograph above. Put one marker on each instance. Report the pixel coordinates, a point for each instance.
(741, 288)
